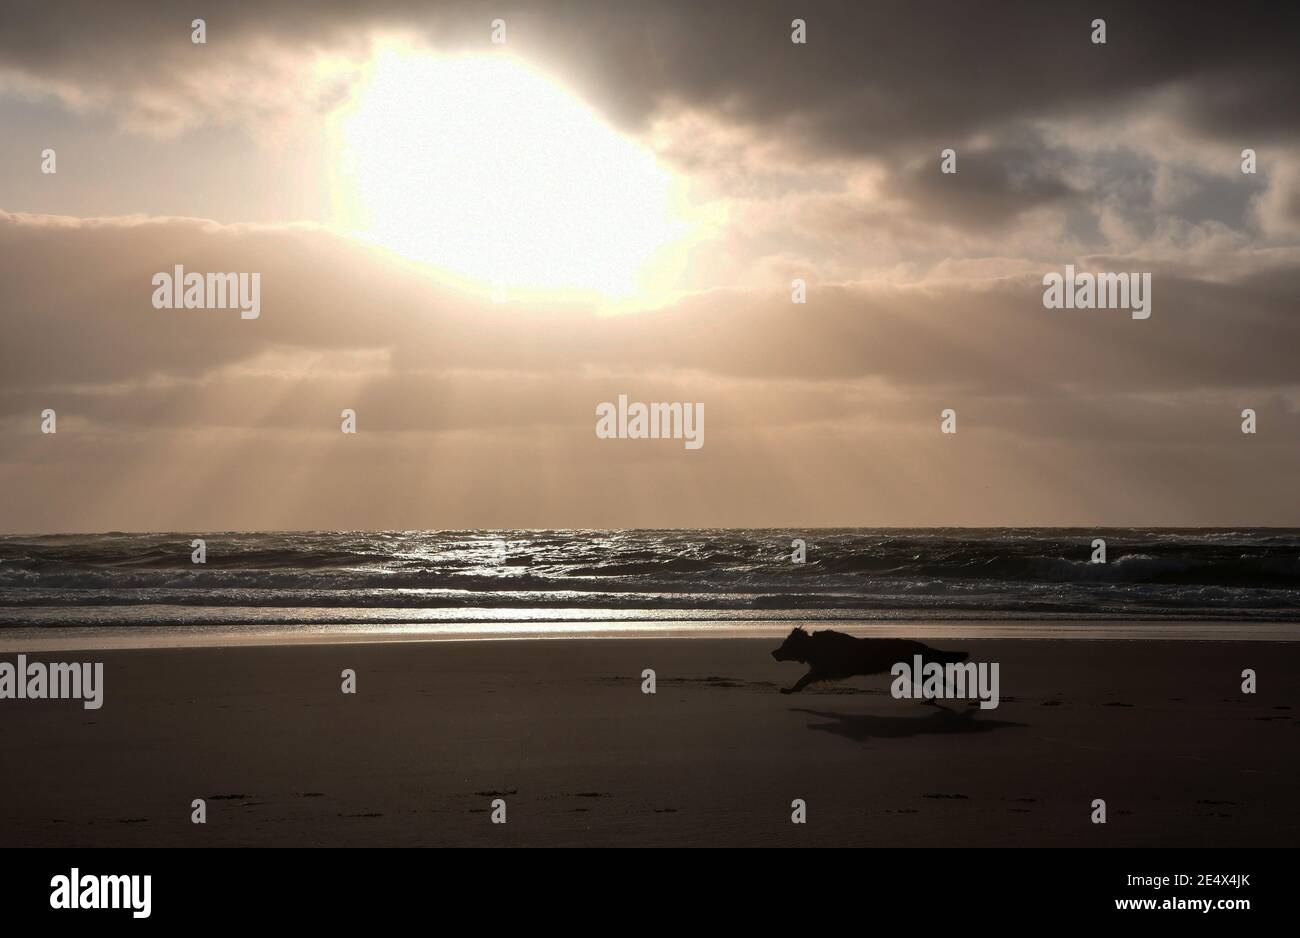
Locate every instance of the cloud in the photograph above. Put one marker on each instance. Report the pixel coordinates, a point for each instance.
(925, 289)
(1061, 143)
(79, 296)
(872, 78)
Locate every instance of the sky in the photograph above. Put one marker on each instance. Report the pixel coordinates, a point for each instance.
(472, 244)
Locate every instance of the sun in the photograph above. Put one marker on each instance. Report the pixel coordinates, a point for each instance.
(500, 178)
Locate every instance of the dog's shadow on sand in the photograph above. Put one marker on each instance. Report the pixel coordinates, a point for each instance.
(860, 727)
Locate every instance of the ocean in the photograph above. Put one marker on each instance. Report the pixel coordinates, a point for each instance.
(561, 579)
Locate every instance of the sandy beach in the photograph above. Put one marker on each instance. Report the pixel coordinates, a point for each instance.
(561, 730)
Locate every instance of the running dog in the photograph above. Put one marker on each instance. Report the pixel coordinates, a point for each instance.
(834, 656)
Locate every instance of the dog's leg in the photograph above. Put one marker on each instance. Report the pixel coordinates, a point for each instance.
(801, 683)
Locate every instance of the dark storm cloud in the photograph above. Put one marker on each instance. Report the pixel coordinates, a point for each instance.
(992, 187)
(874, 77)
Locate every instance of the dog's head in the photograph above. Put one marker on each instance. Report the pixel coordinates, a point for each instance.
(794, 648)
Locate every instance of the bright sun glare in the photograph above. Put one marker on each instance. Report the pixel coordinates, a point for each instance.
(497, 176)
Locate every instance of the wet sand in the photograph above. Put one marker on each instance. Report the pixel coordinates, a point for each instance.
(561, 731)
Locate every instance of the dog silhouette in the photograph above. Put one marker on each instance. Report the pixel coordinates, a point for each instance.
(834, 656)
